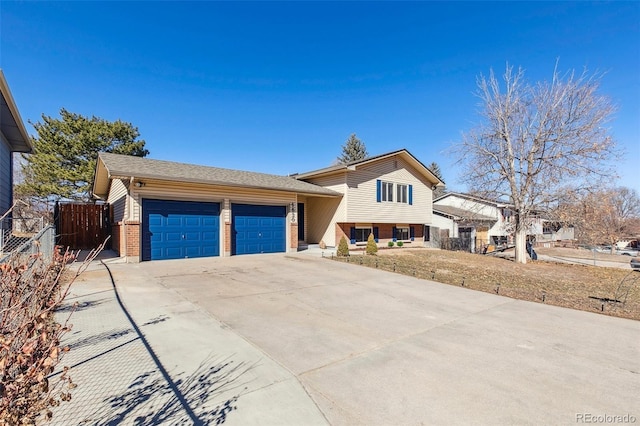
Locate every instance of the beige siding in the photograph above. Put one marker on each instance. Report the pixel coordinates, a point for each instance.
(118, 199)
(321, 220)
(196, 192)
(363, 207)
(324, 213)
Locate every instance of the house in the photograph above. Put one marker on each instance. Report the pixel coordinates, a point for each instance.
(14, 138)
(389, 196)
(477, 220)
(482, 222)
(164, 210)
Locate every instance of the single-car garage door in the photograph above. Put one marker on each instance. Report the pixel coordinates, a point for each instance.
(180, 229)
(258, 229)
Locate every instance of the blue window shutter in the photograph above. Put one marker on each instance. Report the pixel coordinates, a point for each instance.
(393, 233)
(375, 233)
(410, 194)
(412, 231)
(353, 235)
(378, 190)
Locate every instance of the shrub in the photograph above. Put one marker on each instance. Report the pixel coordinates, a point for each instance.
(372, 247)
(32, 288)
(400, 243)
(390, 244)
(343, 247)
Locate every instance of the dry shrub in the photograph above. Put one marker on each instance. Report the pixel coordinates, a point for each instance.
(32, 288)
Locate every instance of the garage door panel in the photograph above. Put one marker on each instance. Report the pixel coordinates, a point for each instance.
(258, 229)
(179, 229)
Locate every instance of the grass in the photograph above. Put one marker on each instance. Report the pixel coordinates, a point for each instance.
(581, 287)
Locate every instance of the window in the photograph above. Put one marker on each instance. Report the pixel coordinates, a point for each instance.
(427, 233)
(362, 234)
(402, 193)
(384, 192)
(387, 191)
(402, 234)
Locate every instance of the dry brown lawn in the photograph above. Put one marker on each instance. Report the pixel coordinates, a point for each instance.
(581, 287)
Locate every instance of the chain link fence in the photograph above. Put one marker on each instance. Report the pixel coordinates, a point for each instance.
(15, 232)
(43, 242)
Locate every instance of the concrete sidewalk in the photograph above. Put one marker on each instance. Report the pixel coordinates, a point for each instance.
(153, 358)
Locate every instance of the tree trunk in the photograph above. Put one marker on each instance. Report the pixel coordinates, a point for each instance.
(521, 244)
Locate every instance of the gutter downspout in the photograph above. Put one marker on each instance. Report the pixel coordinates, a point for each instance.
(126, 222)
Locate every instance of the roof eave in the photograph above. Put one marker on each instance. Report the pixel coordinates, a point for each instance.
(104, 176)
(21, 143)
(353, 166)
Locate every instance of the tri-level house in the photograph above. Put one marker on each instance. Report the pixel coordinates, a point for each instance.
(167, 210)
(389, 196)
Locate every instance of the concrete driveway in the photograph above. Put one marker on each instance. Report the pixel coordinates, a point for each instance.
(373, 347)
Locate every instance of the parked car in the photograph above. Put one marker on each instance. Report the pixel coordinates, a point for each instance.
(635, 263)
(625, 251)
(628, 252)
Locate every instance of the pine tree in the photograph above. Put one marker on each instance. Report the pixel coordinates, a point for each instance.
(372, 247)
(343, 247)
(353, 150)
(65, 152)
(435, 169)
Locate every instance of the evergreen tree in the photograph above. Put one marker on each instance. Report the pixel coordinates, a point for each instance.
(343, 247)
(65, 151)
(353, 150)
(372, 247)
(435, 169)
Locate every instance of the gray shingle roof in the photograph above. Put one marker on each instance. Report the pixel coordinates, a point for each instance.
(126, 165)
(463, 214)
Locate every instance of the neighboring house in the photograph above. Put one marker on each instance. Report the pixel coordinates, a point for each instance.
(13, 138)
(485, 222)
(548, 231)
(163, 210)
(478, 220)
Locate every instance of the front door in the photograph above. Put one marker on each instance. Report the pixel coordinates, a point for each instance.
(300, 222)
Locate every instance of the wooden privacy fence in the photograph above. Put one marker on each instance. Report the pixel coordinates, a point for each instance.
(82, 226)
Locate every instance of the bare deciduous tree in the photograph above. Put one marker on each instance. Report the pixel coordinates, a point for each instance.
(604, 216)
(534, 139)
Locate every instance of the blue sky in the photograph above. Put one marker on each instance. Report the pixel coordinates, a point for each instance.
(277, 87)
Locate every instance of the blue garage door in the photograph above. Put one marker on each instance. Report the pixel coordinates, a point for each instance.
(180, 229)
(258, 229)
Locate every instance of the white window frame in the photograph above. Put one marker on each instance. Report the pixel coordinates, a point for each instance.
(386, 191)
(402, 193)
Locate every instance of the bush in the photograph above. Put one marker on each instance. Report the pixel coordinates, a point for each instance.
(390, 244)
(343, 247)
(32, 289)
(372, 247)
(400, 243)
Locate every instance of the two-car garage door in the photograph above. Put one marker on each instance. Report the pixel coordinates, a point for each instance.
(180, 229)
